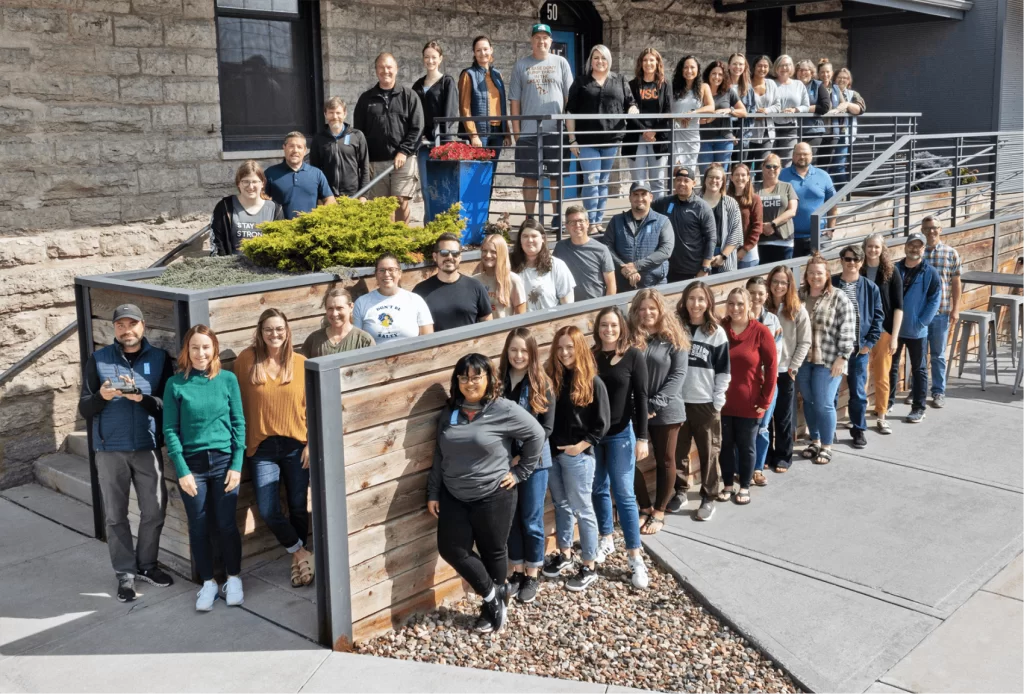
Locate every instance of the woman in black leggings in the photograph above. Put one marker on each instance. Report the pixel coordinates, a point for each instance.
(471, 489)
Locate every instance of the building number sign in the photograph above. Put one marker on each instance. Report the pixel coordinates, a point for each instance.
(549, 12)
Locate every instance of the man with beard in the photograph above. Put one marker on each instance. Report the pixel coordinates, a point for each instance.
(454, 299)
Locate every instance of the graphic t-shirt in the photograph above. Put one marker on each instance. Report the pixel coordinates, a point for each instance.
(545, 291)
(541, 87)
(391, 317)
(454, 304)
(243, 224)
(518, 294)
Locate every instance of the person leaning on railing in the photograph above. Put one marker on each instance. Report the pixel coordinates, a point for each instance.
(739, 74)
(471, 488)
(337, 334)
(647, 144)
(741, 189)
(766, 101)
(728, 220)
(204, 426)
(778, 207)
(879, 268)
(690, 96)
(482, 96)
(236, 216)
(784, 301)
(716, 138)
(271, 378)
(791, 96)
(850, 104)
(819, 100)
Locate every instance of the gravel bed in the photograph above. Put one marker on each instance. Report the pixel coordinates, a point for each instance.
(657, 639)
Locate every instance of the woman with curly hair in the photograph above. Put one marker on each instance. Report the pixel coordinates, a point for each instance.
(646, 144)
(879, 267)
(657, 333)
(547, 280)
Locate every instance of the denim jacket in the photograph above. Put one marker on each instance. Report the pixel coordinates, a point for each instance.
(869, 307)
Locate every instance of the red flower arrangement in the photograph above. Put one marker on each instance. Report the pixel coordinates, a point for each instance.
(460, 151)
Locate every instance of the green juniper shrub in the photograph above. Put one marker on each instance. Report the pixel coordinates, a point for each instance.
(349, 234)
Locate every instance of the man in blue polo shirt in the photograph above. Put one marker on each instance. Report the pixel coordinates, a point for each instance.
(295, 184)
(813, 187)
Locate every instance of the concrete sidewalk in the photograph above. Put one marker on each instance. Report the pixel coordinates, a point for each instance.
(895, 568)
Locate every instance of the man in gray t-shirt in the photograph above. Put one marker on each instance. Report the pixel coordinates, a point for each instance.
(589, 262)
(539, 86)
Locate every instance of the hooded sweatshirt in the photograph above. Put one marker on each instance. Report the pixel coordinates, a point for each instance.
(707, 374)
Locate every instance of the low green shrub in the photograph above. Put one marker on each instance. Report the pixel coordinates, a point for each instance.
(349, 234)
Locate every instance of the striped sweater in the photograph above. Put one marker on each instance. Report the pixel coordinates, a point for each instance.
(707, 374)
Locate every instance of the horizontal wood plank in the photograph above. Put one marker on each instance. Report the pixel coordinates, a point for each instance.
(389, 466)
(393, 563)
(379, 539)
(384, 438)
(158, 313)
(392, 617)
(103, 335)
(243, 312)
(386, 501)
(400, 587)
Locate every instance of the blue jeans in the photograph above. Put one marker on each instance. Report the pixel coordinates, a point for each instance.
(763, 437)
(838, 166)
(281, 457)
(856, 381)
(938, 332)
(740, 264)
(616, 464)
(715, 151)
(596, 163)
(818, 388)
(651, 167)
(526, 539)
(571, 480)
(493, 141)
(209, 468)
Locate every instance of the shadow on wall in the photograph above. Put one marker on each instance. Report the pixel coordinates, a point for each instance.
(34, 420)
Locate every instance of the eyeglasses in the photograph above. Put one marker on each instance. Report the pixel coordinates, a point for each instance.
(780, 283)
(445, 253)
(576, 222)
(275, 331)
(475, 380)
(771, 167)
(849, 259)
(389, 271)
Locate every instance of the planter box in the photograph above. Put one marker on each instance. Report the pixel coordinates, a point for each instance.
(465, 182)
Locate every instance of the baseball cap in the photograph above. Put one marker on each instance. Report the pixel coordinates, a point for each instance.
(127, 311)
(537, 28)
(685, 170)
(917, 236)
(639, 185)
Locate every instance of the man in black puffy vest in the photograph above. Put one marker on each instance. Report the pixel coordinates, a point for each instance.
(122, 400)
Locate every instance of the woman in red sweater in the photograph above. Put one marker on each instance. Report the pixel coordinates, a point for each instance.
(754, 369)
(741, 188)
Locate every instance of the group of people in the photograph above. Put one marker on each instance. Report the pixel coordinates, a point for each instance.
(726, 114)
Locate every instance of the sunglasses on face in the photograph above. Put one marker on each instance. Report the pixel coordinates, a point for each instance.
(445, 253)
(849, 259)
(771, 167)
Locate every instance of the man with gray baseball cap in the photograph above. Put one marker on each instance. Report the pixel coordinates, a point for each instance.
(641, 241)
(122, 401)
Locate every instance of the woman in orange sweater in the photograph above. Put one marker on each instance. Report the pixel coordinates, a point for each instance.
(270, 375)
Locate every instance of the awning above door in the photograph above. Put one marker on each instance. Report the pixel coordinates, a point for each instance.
(885, 11)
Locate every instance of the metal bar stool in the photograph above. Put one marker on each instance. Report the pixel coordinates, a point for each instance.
(986, 323)
(1015, 303)
(1020, 370)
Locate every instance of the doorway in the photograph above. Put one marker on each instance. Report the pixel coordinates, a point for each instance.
(576, 28)
(764, 34)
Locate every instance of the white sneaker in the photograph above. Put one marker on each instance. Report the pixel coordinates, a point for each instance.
(639, 569)
(233, 591)
(605, 548)
(206, 596)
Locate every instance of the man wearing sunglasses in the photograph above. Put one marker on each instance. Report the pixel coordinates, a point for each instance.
(693, 226)
(454, 299)
(862, 293)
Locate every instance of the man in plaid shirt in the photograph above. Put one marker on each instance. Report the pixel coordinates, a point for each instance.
(946, 262)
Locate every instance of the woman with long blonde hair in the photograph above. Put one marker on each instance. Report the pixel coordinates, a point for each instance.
(504, 287)
(204, 427)
(879, 267)
(784, 301)
(273, 389)
(657, 333)
(582, 416)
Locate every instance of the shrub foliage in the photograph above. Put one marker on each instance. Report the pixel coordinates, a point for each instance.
(349, 234)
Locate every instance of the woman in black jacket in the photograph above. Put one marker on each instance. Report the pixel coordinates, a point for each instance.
(439, 95)
(647, 140)
(471, 489)
(524, 382)
(235, 218)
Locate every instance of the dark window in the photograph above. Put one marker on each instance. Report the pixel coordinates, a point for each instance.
(764, 34)
(268, 62)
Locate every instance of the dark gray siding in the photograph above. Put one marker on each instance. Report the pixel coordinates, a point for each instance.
(1012, 96)
(944, 69)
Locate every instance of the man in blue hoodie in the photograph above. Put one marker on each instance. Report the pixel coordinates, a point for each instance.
(922, 294)
(863, 293)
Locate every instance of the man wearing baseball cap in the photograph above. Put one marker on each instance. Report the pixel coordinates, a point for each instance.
(641, 241)
(922, 294)
(539, 86)
(692, 224)
(122, 401)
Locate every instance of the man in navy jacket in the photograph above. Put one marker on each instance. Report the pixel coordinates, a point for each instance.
(863, 294)
(922, 294)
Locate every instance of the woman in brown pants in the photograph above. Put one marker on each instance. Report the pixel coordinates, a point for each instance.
(657, 333)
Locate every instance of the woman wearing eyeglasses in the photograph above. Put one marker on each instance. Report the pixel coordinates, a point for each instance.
(390, 312)
(272, 380)
(778, 207)
(472, 486)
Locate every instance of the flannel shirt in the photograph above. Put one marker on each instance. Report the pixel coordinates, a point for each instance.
(833, 328)
(946, 262)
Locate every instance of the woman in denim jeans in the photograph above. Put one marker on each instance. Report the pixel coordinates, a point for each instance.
(524, 382)
(271, 377)
(623, 369)
(581, 421)
(204, 428)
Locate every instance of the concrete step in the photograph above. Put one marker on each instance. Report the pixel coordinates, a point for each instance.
(77, 443)
(71, 513)
(65, 473)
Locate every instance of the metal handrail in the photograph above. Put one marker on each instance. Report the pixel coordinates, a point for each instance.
(69, 329)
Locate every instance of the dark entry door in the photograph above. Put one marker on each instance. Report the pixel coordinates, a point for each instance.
(576, 27)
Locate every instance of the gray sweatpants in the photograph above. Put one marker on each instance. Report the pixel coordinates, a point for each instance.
(117, 470)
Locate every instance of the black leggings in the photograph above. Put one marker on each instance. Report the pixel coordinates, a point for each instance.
(485, 522)
(739, 441)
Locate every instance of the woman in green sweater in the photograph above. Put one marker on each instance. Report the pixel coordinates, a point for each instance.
(204, 429)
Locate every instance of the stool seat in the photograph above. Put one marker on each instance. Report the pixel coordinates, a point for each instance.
(986, 326)
(1015, 304)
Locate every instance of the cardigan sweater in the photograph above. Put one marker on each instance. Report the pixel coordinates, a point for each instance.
(796, 340)
(203, 414)
(753, 369)
(273, 408)
(751, 218)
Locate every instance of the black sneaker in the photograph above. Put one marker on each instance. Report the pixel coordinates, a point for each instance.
(528, 590)
(125, 588)
(915, 416)
(484, 625)
(156, 576)
(555, 564)
(582, 580)
(859, 440)
(515, 581)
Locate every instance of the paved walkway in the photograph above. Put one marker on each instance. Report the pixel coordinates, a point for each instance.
(897, 567)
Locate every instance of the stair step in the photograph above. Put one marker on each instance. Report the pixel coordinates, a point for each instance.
(65, 473)
(77, 443)
(69, 512)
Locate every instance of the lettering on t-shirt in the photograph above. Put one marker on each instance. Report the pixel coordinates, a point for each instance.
(649, 93)
(700, 354)
(246, 230)
(541, 76)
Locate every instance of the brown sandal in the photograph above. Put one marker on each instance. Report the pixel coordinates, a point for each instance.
(759, 479)
(302, 572)
(652, 526)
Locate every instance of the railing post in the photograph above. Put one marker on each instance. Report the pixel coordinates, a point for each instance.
(540, 170)
(557, 210)
(83, 310)
(959, 149)
(909, 189)
(849, 148)
(816, 232)
(995, 176)
(671, 159)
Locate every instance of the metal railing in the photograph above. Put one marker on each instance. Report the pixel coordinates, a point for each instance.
(583, 174)
(955, 178)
